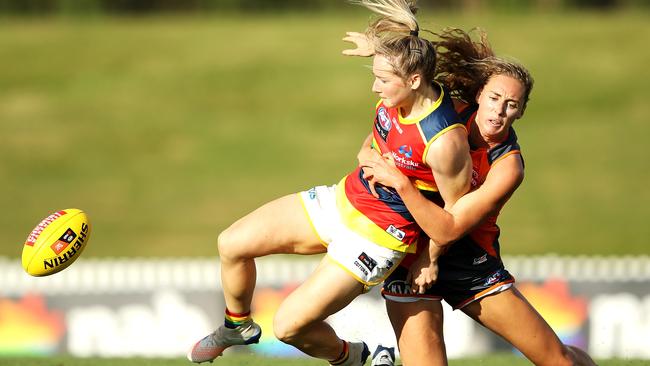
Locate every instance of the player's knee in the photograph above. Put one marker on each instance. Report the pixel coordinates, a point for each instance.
(230, 243)
(285, 331)
(224, 244)
(423, 351)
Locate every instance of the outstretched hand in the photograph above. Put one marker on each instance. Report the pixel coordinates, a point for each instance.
(364, 47)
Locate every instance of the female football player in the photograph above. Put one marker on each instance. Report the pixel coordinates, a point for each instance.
(366, 231)
(492, 93)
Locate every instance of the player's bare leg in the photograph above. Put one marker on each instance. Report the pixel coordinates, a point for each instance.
(511, 316)
(300, 320)
(418, 328)
(280, 226)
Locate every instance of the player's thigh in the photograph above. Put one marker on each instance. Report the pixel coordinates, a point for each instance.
(418, 328)
(280, 226)
(327, 290)
(511, 316)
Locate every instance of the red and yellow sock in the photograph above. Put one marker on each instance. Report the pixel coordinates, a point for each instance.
(233, 320)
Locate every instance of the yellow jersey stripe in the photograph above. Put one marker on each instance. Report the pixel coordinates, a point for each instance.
(426, 148)
(362, 225)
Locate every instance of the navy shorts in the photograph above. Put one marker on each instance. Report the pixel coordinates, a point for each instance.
(466, 273)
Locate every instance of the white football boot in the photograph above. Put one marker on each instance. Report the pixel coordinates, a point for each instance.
(213, 345)
(383, 356)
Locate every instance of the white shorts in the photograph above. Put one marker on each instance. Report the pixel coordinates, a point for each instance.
(366, 261)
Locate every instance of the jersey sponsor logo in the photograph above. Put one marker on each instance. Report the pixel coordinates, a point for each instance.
(396, 233)
(382, 123)
(405, 162)
(367, 261)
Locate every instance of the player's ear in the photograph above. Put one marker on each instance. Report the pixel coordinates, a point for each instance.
(521, 112)
(478, 95)
(415, 80)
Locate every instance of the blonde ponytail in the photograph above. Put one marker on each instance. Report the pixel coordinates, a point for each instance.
(395, 15)
(395, 34)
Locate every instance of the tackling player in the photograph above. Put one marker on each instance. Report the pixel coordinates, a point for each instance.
(492, 95)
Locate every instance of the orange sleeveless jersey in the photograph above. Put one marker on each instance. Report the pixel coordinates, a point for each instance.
(386, 220)
(486, 234)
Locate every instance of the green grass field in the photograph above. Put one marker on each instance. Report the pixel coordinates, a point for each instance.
(495, 360)
(165, 130)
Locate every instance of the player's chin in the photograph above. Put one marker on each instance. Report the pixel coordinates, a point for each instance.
(494, 129)
(388, 102)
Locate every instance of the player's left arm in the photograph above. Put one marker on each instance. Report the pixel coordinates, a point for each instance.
(444, 226)
(469, 211)
(448, 225)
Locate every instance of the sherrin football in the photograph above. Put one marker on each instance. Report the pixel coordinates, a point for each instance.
(56, 242)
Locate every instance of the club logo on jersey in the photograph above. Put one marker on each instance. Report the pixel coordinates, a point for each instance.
(312, 193)
(382, 123)
(396, 233)
(63, 242)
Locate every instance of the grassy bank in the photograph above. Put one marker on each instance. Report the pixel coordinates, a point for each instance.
(165, 130)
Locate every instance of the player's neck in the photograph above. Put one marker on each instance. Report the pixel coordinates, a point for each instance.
(422, 101)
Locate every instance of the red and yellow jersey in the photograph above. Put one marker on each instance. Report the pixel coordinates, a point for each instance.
(487, 233)
(386, 220)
